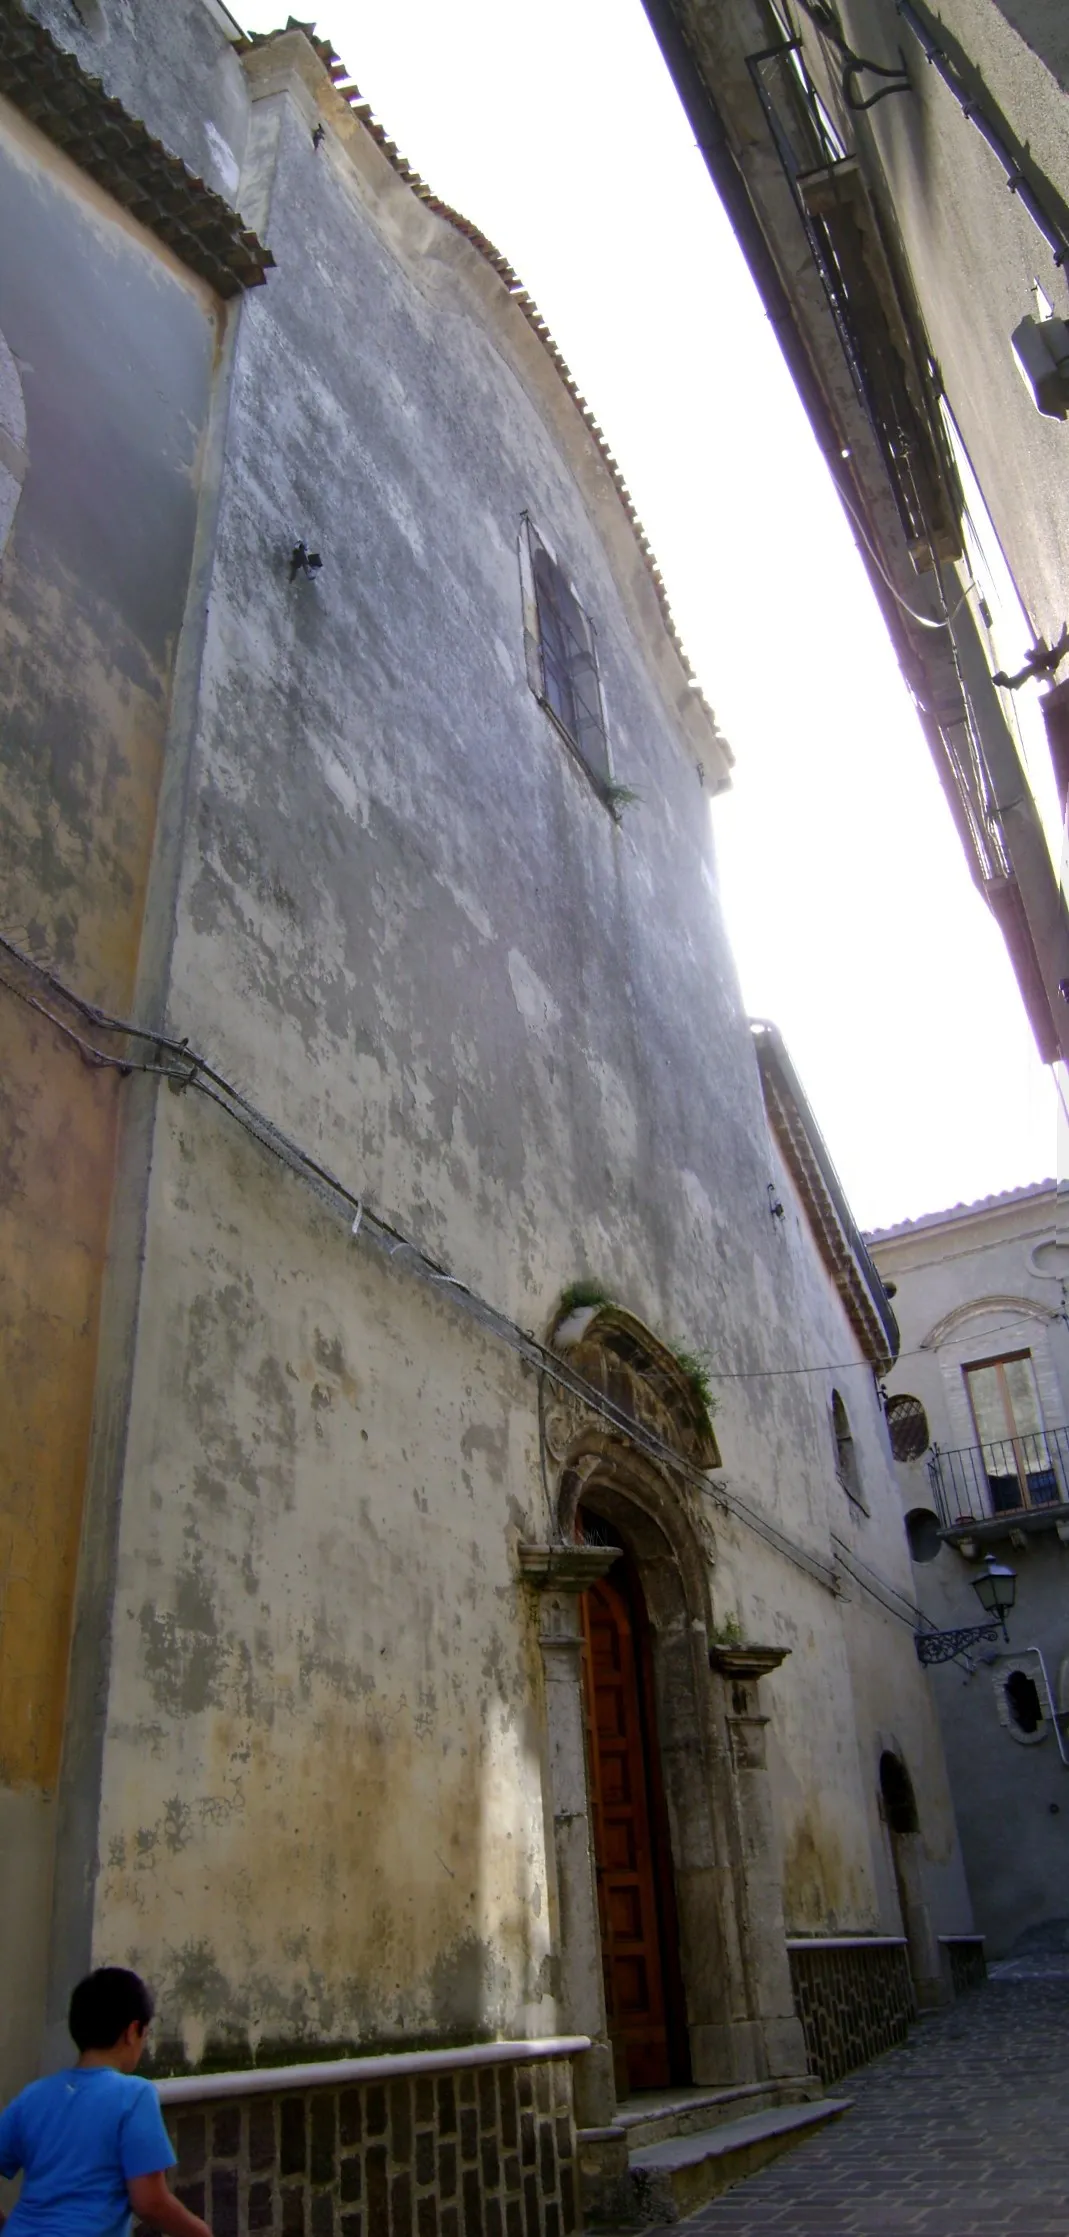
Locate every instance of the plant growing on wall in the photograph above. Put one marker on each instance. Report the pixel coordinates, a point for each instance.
(617, 797)
(697, 1368)
(579, 1294)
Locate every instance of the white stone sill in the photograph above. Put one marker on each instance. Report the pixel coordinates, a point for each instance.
(184, 2089)
(848, 1942)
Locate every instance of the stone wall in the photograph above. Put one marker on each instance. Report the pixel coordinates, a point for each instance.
(484, 2151)
(854, 1999)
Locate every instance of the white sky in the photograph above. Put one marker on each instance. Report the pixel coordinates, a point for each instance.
(854, 921)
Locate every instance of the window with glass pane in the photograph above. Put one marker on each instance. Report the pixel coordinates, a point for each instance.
(569, 669)
(1009, 1426)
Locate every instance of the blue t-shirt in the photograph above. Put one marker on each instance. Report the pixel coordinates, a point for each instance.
(79, 2137)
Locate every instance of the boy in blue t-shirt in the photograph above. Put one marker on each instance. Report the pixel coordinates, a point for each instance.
(90, 2142)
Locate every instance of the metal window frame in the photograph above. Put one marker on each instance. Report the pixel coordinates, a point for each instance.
(590, 724)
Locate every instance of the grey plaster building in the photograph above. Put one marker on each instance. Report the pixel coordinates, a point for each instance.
(978, 1408)
(452, 1568)
(897, 173)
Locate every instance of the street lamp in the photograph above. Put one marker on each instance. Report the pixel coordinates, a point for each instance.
(996, 1590)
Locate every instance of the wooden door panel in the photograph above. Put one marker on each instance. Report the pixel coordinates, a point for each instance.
(619, 1846)
(623, 1849)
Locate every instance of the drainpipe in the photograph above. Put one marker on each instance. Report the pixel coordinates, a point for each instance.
(1038, 1652)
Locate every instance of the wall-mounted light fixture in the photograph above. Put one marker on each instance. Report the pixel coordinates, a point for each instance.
(996, 1591)
(1041, 347)
(304, 562)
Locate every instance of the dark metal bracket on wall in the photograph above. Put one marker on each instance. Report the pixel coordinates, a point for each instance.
(954, 69)
(856, 65)
(945, 1646)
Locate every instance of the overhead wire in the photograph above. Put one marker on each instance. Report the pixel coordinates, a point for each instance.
(190, 1070)
(183, 1069)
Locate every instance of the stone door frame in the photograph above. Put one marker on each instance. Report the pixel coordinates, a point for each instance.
(740, 2015)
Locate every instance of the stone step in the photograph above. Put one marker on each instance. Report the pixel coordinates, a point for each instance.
(689, 2111)
(674, 2178)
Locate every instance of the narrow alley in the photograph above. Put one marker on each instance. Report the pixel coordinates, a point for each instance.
(959, 2134)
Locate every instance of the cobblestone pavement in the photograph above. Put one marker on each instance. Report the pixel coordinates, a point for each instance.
(962, 2133)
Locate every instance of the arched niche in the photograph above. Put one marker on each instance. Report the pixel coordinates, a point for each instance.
(957, 1326)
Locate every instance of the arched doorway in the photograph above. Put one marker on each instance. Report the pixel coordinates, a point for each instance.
(716, 1876)
(632, 1851)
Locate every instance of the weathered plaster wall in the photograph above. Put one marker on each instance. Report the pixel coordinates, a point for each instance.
(1042, 26)
(974, 256)
(113, 349)
(852, 1685)
(171, 63)
(322, 1802)
(411, 931)
(1006, 1267)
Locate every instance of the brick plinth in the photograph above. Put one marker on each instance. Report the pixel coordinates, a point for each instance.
(855, 2001)
(485, 2152)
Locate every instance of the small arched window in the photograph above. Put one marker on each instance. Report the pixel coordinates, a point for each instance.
(846, 1467)
(896, 1793)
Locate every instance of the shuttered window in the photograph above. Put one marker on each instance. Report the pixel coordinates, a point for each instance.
(562, 659)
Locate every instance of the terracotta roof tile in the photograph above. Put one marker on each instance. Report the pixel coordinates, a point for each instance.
(1000, 1200)
(93, 128)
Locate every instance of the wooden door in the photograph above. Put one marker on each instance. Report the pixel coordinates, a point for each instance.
(623, 1845)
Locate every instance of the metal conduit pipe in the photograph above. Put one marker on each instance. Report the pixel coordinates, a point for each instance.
(1058, 1734)
(1056, 240)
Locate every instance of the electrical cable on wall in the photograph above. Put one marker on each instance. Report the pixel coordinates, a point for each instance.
(174, 1061)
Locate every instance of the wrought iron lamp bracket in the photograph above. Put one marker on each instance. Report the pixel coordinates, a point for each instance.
(943, 1646)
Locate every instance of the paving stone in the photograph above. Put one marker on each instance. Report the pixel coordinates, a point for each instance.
(957, 2134)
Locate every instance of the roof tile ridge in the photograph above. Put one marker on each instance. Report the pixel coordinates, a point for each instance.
(963, 1209)
(364, 114)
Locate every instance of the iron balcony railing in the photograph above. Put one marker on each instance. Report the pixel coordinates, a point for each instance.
(1016, 1475)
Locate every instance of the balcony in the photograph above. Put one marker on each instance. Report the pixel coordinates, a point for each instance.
(1021, 1483)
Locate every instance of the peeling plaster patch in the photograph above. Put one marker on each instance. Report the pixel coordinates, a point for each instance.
(698, 1203)
(619, 1119)
(466, 1982)
(474, 912)
(510, 666)
(344, 787)
(184, 1657)
(533, 1000)
(223, 158)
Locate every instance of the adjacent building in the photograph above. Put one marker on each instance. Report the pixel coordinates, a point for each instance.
(457, 1621)
(978, 1409)
(898, 178)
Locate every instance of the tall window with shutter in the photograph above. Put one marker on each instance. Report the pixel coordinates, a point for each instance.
(1009, 1426)
(562, 661)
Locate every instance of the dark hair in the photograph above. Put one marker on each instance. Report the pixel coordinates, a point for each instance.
(104, 2004)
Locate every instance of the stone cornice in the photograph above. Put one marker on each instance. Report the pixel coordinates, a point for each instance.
(835, 1231)
(72, 109)
(749, 1661)
(566, 1568)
